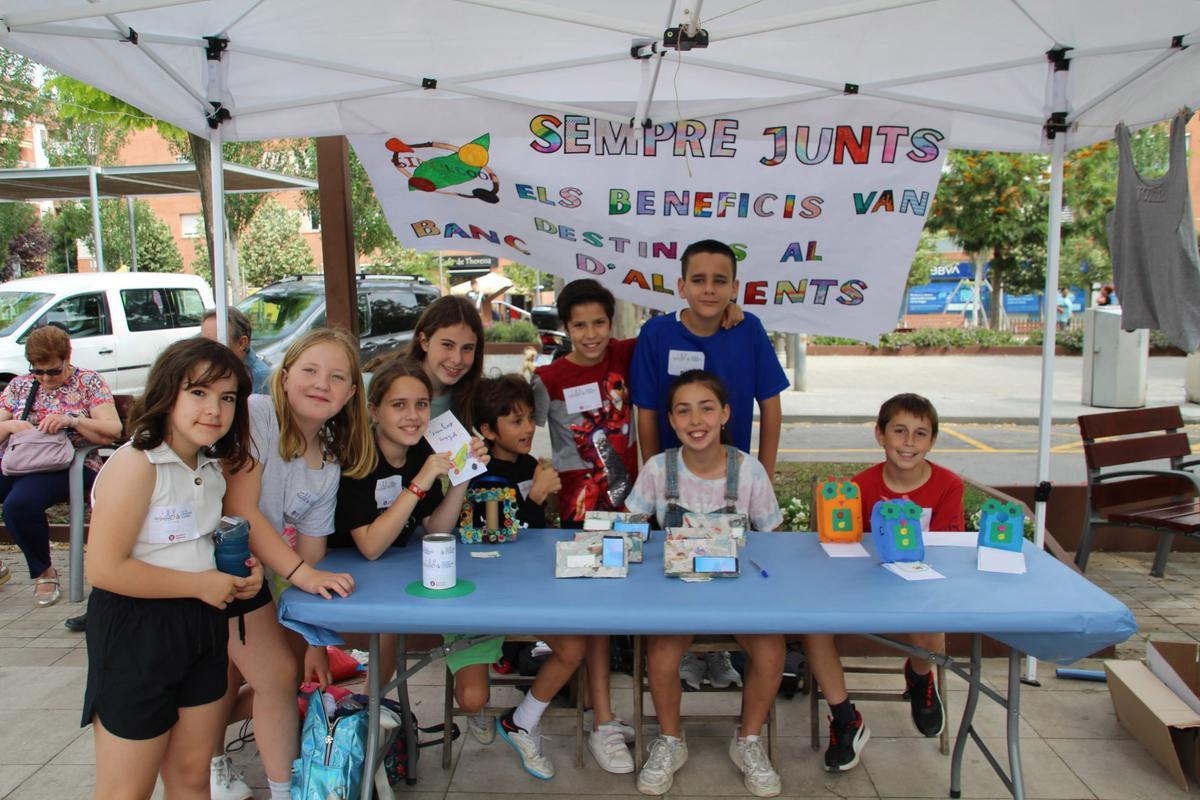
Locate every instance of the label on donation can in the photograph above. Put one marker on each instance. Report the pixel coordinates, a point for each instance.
(438, 561)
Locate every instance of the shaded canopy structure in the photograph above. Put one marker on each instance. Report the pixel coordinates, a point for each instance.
(75, 183)
(1014, 75)
(104, 183)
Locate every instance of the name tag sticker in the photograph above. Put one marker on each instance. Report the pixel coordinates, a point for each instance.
(387, 490)
(524, 487)
(172, 524)
(680, 361)
(582, 398)
(302, 501)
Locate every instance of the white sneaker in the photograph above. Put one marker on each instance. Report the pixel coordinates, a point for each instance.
(720, 671)
(760, 777)
(528, 746)
(225, 781)
(482, 727)
(607, 744)
(667, 755)
(691, 672)
(626, 729)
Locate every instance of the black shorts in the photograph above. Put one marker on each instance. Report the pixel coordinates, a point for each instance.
(239, 607)
(149, 658)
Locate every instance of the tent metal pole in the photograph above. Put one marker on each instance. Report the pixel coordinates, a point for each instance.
(97, 237)
(220, 296)
(132, 235)
(1054, 239)
(1119, 85)
(159, 62)
(843, 10)
(41, 16)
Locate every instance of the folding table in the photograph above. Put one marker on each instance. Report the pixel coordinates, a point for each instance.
(1049, 611)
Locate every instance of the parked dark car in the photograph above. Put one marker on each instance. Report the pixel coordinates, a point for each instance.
(555, 341)
(388, 308)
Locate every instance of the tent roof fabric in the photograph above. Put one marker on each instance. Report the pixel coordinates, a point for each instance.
(71, 183)
(306, 68)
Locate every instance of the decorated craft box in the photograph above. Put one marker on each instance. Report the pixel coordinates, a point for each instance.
(734, 525)
(679, 554)
(489, 515)
(896, 531)
(1001, 525)
(584, 559)
(624, 521)
(838, 514)
(634, 544)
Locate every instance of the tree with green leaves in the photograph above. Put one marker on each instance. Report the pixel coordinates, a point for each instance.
(272, 247)
(20, 104)
(27, 253)
(156, 247)
(995, 206)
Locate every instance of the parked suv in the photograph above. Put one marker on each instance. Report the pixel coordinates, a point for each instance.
(118, 321)
(388, 308)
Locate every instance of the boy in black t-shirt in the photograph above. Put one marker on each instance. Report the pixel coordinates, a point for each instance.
(503, 412)
(504, 415)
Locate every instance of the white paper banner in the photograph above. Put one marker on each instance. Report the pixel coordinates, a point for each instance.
(823, 201)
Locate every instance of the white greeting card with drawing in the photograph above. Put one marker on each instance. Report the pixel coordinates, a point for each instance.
(447, 435)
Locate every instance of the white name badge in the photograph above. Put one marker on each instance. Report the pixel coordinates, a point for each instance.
(582, 398)
(301, 502)
(172, 524)
(680, 361)
(926, 518)
(387, 490)
(523, 487)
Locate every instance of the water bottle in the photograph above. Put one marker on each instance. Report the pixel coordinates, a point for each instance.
(232, 539)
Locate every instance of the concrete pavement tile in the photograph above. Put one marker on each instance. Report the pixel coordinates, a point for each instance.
(30, 656)
(38, 688)
(899, 771)
(65, 781)
(804, 772)
(82, 751)
(1118, 769)
(15, 641)
(13, 775)
(35, 738)
(1072, 715)
(452, 795)
(72, 658)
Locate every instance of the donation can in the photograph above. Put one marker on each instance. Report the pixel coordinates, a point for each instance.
(438, 569)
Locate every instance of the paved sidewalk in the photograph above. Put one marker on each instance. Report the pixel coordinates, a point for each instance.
(964, 388)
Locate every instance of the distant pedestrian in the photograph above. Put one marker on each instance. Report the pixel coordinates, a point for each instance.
(239, 338)
(1063, 308)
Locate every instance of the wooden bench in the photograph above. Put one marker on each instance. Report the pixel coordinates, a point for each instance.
(1137, 467)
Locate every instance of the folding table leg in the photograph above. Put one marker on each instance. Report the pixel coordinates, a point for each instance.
(638, 700)
(1013, 733)
(370, 757)
(964, 727)
(410, 724)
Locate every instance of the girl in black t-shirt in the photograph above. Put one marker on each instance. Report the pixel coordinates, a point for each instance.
(383, 509)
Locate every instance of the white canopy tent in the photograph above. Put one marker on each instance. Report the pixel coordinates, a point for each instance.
(1015, 75)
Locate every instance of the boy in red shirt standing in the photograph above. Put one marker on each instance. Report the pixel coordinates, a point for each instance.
(583, 397)
(906, 429)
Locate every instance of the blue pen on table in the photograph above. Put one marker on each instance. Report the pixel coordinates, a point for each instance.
(758, 567)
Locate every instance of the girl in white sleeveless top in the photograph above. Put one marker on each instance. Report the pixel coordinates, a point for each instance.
(157, 627)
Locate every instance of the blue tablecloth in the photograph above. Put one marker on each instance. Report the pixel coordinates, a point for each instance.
(1049, 612)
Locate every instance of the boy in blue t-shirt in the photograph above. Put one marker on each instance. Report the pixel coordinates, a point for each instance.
(742, 357)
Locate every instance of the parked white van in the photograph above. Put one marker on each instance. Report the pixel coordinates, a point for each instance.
(118, 321)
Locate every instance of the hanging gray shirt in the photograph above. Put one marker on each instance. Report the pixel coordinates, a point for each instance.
(1152, 241)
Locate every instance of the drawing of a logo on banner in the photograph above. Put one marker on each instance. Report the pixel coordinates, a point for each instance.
(428, 172)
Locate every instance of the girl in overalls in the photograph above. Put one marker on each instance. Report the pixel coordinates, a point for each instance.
(707, 475)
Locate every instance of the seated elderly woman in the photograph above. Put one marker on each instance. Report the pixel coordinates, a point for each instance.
(71, 400)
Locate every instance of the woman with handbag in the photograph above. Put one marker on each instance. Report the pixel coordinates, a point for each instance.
(44, 416)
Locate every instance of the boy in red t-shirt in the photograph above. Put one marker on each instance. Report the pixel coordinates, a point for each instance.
(906, 429)
(584, 399)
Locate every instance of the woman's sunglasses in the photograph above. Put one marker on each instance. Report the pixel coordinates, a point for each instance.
(49, 373)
